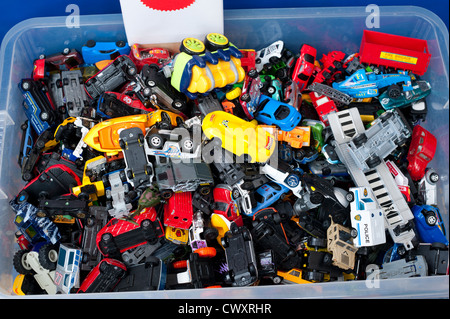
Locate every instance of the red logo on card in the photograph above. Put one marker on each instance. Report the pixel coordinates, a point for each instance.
(167, 5)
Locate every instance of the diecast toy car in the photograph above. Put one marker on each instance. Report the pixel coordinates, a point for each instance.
(244, 139)
(421, 152)
(273, 112)
(304, 66)
(367, 218)
(361, 84)
(429, 224)
(94, 52)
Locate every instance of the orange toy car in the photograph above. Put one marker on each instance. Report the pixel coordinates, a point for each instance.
(297, 138)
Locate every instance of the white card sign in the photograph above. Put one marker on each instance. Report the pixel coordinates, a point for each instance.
(168, 21)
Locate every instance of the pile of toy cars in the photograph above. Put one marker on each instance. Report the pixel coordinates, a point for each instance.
(146, 169)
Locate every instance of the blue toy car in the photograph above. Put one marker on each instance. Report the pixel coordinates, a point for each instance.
(268, 194)
(34, 228)
(37, 106)
(94, 52)
(273, 112)
(429, 225)
(363, 85)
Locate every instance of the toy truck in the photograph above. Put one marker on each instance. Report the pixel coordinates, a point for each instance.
(367, 218)
(346, 125)
(387, 133)
(394, 51)
(340, 245)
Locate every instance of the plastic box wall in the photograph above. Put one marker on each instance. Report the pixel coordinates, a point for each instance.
(325, 28)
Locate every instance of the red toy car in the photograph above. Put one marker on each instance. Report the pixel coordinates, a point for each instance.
(178, 211)
(141, 56)
(304, 66)
(103, 277)
(248, 59)
(251, 92)
(330, 65)
(421, 152)
(323, 105)
(225, 205)
(66, 60)
(120, 235)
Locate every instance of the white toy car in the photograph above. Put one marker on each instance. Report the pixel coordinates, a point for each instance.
(366, 218)
(263, 56)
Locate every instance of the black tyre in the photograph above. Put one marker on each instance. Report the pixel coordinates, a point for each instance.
(91, 43)
(394, 91)
(373, 162)
(430, 218)
(216, 41)
(359, 140)
(156, 141)
(48, 256)
(20, 262)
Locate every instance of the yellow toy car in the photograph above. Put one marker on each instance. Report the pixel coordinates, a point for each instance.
(88, 184)
(293, 276)
(247, 140)
(178, 236)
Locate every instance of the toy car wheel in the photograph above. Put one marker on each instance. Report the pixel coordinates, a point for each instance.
(327, 259)
(235, 193)
(120, 44)
(205, 190)
(27, 176)
(210, 233)
(434, 177)
(277, 280)
(66, 51)
(224, 241)
(349, 197)
(156, 141)
(373, 162)
(192, 46)
(91, 43)
(353, 233)
(166, 194)
(430, 218)
(106, 238)
(245, 97)
(314, 276)
(271, 90)
(252, 270)
(187, 144)
(20, 262)
(359, 140)
(131, 70)
(44, 116)
(178, 104)
(316, 198)
(394, 91)
(26, 85)
(122, 144)
(316, 242)
(253, 73)
(146, 223)
(22, 197)
(216, 41)
(48, 256)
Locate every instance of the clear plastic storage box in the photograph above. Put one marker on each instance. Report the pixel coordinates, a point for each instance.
(325, 28)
